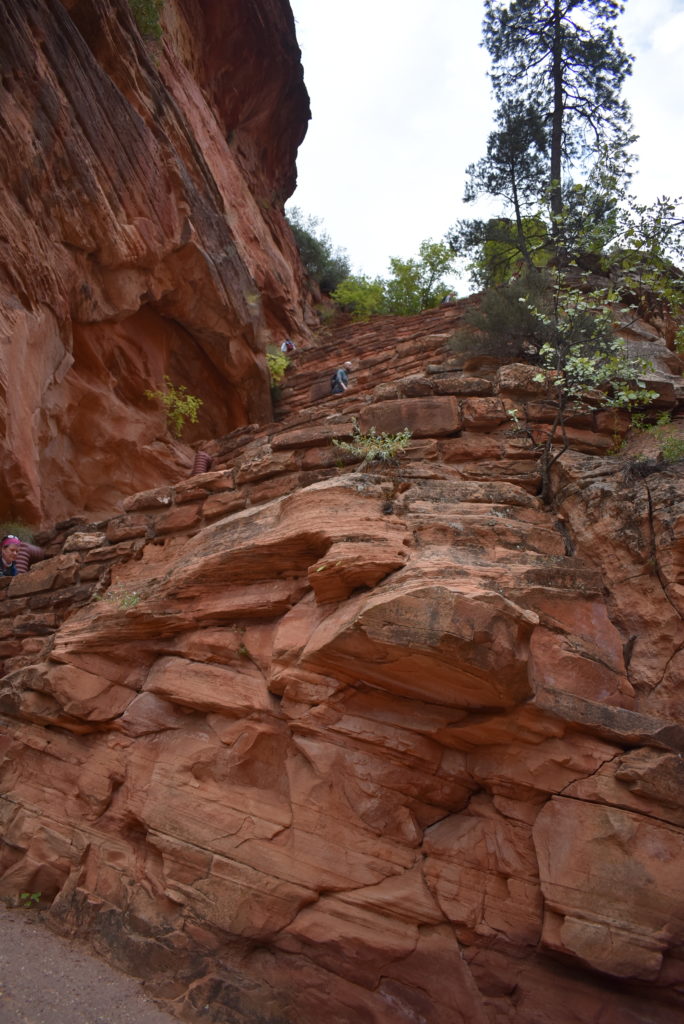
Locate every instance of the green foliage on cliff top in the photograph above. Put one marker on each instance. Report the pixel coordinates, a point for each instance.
(413, 285)
(322, 261)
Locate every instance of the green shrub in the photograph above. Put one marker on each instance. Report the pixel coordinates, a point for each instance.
(277, 365)
(326, 314)
(29, 899)
(504, 325)
(374, 447)
(643, 425)
(673, 448)
(568, 331)
(178, 403)
(327, 265)
(121, 597)
(146, 14)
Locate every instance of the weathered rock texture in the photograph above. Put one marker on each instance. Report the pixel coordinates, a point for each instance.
(141, 234)
(343, 745)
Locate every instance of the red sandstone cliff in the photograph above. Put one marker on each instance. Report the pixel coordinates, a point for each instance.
(297, 742)
(141, 234)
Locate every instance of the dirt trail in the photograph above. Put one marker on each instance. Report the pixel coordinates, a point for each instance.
(47, 979)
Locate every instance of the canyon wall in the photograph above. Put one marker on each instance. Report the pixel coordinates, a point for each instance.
(141, 235)
(298, 740)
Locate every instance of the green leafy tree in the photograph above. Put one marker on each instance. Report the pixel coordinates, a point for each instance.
(418, 284)
(362, 296)
(413, 285)
(582, 361)
(592, 219)
(323, 262)
(640, 245)
(560, 320)
(648, 247)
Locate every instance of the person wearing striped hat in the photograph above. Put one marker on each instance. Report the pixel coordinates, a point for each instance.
(9, 549)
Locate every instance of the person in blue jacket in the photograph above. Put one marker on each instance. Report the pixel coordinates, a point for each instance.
(9, 549)
(339, 382)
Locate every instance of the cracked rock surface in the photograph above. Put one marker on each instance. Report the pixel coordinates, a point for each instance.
(403, 742)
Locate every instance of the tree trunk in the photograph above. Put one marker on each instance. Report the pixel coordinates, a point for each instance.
(557, 117)
(520, 231)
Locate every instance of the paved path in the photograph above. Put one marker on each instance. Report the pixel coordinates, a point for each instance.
(47, 979)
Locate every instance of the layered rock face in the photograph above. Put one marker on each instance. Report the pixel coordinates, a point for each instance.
(346, 744)
(142, 234)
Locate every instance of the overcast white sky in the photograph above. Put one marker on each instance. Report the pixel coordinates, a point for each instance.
(401, 104)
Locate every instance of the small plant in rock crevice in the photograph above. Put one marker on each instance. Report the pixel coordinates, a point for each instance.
(671, 445)
(373, 447)
(277, 364)
(29, 899)
(617, 445)
(672, 449)
(121, 597)
(178, 403)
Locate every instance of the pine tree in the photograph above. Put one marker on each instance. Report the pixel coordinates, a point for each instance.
(513, 170)
(564, 58)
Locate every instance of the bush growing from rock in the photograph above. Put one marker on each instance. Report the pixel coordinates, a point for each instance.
(327, 265)
(374, 447)
(277, 365)
(178, 403)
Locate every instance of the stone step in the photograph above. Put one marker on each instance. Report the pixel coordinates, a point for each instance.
(381, 349)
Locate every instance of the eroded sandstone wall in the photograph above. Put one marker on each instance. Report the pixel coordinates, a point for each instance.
(296, 741)
(141, 234)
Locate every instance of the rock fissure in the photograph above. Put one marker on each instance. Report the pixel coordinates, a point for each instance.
(654, 552)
